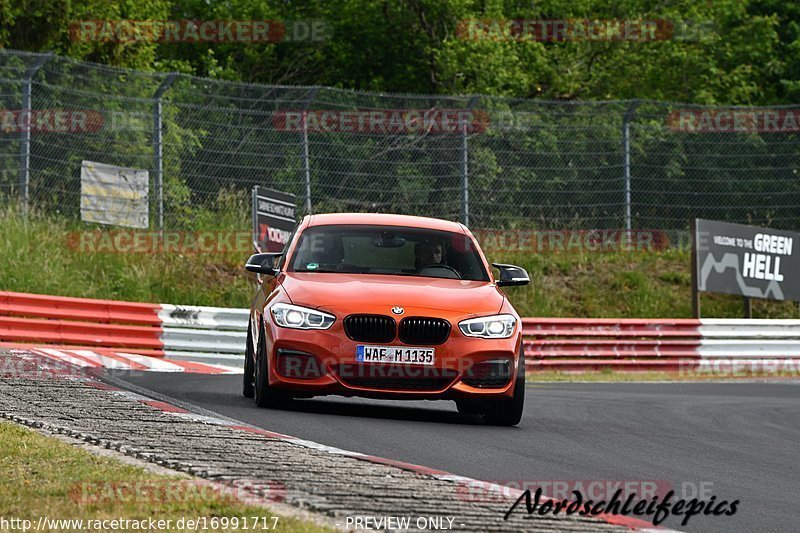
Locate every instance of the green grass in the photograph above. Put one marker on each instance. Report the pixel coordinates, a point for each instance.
(621, 284)
(37, 258)
(40, 476)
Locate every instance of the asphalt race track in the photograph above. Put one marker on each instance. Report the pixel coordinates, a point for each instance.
(736, 440)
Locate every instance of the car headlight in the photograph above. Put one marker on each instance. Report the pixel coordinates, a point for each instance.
(296, 317)
(489, 327)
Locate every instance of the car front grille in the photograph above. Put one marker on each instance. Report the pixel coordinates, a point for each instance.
(424, 330)
(370, 328)
(396, 377)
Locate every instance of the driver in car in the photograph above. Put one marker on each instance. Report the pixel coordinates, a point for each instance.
(429, 253)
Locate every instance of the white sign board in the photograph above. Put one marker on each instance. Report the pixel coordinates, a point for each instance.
(114, 195)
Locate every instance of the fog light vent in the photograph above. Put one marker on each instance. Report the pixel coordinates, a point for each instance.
(298, 365)
(489, 374)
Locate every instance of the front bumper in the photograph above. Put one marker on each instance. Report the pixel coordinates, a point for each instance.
(313, 362)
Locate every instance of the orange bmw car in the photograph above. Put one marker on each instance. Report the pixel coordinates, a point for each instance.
(385, 306)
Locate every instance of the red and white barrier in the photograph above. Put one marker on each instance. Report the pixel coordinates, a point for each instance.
(574, 344)
(723, 346)
(564, 344)
(108, 328)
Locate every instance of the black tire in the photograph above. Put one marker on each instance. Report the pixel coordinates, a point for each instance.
(469, 406)
(508, 412)
(265, 396)
(248, 389)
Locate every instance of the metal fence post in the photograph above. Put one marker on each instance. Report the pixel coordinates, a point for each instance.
(25, 141)
(158, 147)
(464, 175)
(465, 165)
(626, 146)
(306, 163)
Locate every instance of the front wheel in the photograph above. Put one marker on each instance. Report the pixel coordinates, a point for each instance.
(249, 368)
(265, 396)
(469, 406)
(508, 412)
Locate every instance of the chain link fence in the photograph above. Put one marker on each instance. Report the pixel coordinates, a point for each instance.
(491, 162)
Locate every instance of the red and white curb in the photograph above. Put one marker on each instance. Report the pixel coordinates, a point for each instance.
(115, 360)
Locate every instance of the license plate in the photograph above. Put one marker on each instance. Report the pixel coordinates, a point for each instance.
(395, 354)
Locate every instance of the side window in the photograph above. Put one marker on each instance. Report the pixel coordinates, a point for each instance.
(286, 247)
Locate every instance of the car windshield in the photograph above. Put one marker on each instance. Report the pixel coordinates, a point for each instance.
(392, 250)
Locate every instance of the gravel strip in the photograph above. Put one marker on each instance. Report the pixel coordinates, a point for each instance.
(332, 485)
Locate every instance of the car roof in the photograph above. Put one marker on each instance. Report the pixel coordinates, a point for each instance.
(384, 219)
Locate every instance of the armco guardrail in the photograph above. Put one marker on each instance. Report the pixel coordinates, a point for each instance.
(638, 344)
(150, 329)
(564, 344)
(569, 344)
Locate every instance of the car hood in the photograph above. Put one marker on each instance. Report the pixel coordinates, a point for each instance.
(379, 293)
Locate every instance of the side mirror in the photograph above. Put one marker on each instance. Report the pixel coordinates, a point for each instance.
(511, 275)
(263, 263)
